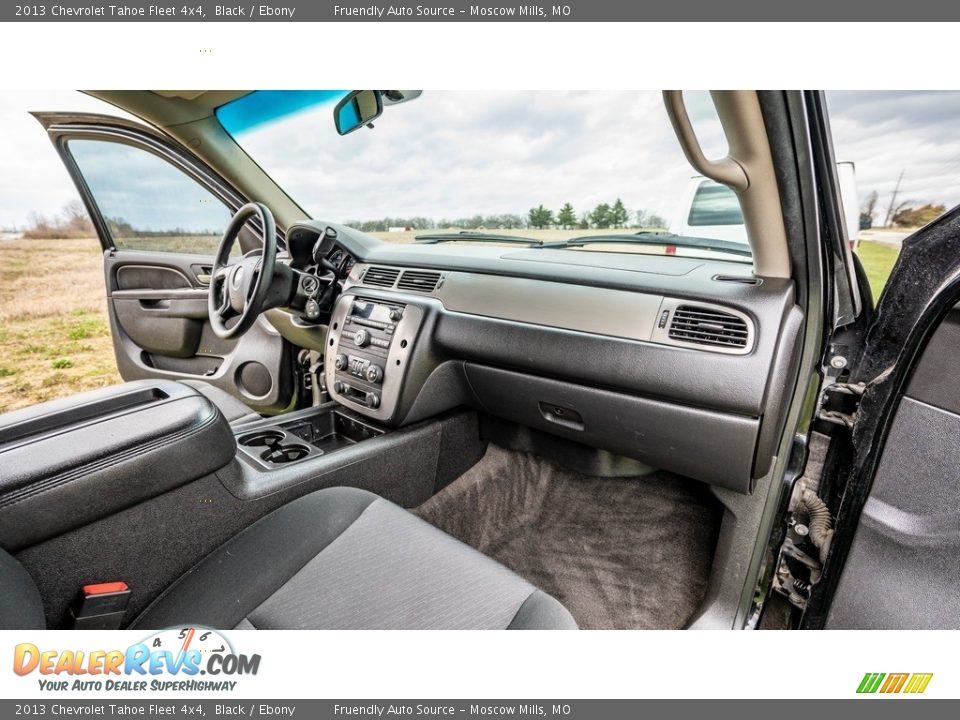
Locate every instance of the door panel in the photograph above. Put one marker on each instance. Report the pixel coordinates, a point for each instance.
(141, 277)
(903, 564)
(164, 332)
(936, 380)
(893, 561)
(162, 322)
(159, 214)
(905, 556)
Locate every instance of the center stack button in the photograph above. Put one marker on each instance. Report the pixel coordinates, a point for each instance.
(374, 373)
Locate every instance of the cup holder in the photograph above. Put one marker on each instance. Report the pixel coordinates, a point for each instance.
(260, 439)
(275, 450)
(280, 454)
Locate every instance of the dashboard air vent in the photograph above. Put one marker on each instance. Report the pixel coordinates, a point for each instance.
(738, 279)
(380, 276)
(418, 281)
(705, 326)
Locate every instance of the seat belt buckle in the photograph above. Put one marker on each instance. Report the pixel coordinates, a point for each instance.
(101, 606)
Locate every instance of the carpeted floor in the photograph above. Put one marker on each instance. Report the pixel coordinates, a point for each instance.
(624, 553)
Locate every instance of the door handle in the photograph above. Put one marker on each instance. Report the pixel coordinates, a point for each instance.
(203, 273)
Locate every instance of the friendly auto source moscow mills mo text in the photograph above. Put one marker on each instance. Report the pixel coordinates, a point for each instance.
(379, 11)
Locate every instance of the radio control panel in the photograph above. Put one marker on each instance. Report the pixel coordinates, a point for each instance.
(370, 341)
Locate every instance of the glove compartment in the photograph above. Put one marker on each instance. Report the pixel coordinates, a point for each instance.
(706, 445)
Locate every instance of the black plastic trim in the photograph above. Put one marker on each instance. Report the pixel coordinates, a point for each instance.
(923, 288)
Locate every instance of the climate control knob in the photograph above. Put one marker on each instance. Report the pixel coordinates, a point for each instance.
(341, 362)
(374, 373)
(361, 338)
(373, 400)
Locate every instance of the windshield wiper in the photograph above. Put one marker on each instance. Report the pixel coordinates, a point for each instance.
(471, 236)
(649, 238)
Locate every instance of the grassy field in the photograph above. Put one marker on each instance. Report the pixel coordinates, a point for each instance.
(54, 332)
(878, 260)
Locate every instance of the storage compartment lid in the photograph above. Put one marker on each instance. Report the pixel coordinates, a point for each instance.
(68, 462)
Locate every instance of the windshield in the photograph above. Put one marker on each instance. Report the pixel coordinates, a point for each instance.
(546, 166)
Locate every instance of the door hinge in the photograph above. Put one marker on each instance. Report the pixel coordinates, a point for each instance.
(839, 403)
(808, 532)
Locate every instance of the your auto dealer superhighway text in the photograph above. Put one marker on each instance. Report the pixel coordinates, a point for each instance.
(170, 11)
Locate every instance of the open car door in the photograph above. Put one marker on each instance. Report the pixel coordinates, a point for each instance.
(871, 524)
(159, 213)
(895, 552)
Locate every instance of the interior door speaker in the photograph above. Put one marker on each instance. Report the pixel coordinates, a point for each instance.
(254, 379)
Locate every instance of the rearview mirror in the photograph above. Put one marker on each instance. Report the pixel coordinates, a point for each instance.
(357, 109)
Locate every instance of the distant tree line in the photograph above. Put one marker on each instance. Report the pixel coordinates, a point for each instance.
(505, 221)
(911, 216)
(70, 223)
(906, 213)
(73, 222)
(120, 228)
(603, 216)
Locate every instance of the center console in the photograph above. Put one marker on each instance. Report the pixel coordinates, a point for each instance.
(369, 350)
(72, 461)
(368, 356)
(316, 432)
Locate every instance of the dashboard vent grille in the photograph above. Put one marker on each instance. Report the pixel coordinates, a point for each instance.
(738, 279)
(705, 326)
(380, 276)
(419, 281)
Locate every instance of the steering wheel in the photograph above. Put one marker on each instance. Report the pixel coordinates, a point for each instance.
(241, 289)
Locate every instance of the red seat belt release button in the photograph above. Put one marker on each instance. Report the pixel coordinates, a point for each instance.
(101, 606)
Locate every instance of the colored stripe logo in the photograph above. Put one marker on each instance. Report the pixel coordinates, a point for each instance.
(889, 683)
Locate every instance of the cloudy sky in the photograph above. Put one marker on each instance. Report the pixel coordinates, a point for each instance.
(457, 154)
(885, 133)
(447, 154)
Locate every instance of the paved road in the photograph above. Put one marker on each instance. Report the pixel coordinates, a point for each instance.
(886, 237)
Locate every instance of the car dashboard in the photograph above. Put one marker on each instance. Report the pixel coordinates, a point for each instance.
(675, 361)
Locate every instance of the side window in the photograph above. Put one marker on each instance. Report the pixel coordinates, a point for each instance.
(147, 203)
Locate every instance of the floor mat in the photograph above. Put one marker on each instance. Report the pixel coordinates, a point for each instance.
(623, 553)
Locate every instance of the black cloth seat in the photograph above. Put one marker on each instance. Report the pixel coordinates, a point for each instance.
(234, 410)
(344, 558)
(20, 606)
